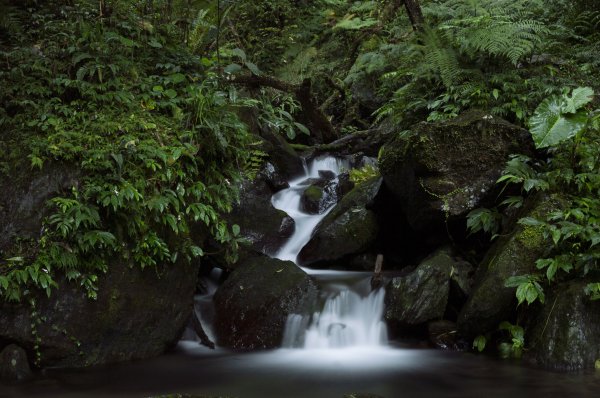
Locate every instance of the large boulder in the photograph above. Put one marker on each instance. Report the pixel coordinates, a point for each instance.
(444, 170)
(513, 254)
(349, 228)
(265, 227)
(422, 295)
(252, 305)
(127, 320)
(565, 334)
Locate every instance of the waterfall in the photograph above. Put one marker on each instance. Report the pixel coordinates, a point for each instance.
(351, 314)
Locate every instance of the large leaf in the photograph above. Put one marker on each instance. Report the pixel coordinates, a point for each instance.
(549, 126)
(581, 96)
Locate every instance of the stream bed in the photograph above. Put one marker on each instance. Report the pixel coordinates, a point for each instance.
(288, 373)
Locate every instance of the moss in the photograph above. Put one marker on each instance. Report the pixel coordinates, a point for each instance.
(532, 237)
(313, 193)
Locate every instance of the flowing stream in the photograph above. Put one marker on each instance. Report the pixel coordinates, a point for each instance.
(339, 351)
(350, 315)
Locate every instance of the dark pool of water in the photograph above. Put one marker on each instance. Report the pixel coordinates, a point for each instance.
(388, 372)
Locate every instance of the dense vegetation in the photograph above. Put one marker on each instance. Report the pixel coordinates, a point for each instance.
(145, 98)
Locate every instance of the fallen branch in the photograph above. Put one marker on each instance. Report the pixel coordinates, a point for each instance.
(199, 330)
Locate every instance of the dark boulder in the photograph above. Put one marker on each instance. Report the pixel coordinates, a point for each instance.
(265, 227)
(127, 320)
(349, 228)
(422, 295)
(252, 306)
(513, 254)
(565, 334)
(310, 202)
(444, 170)
(23, 200)
(14, 365)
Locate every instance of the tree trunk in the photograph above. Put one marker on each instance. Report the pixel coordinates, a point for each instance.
(413, 9)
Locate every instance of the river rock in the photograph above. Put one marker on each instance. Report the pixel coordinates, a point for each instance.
(252, 305)
(14, 366)
(23, 199)
(565, 334)
(513, 254)
(263, 226)
(349, 228)
(444, 170)
(422, 295)
(127, 321)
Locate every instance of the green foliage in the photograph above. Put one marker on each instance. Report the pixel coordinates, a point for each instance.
(152, 128)
(514, 348)
(479, 343)
(486, 220)
(558, 119)
(277, 114)
(365, 173)
(573, 170)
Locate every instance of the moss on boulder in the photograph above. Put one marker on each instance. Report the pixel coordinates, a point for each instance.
(446, 169)
(514, 254)
(349, 228)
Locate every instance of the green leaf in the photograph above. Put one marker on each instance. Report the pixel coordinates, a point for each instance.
(235, 229)
(232, 68)
(549, 126)
(238, 52)
(154, 43)
(171, 93)
(479, 343)
(303, 129)
(581, 96)
(177, 78)
(253, 68)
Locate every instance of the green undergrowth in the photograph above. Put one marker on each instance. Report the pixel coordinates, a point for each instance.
(149, 124)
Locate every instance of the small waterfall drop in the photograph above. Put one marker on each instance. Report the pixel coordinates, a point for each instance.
(351, 314)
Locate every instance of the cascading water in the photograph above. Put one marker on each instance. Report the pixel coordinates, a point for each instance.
(351, 314)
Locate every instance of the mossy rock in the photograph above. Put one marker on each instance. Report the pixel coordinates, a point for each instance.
(348, 229)
(514, 254)
(565, 333)
(254, 302)
(310, 201)
(444, 170)
(422, 295)
(264, 227)
(127, 320)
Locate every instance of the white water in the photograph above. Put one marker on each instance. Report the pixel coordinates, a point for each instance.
(288, 200)
(351, 314)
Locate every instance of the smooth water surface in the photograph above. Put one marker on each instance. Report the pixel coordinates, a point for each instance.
(390, 373)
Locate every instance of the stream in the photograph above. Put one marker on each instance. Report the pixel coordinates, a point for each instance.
(342, 348)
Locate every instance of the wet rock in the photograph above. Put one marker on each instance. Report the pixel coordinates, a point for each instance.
(444, 335)
(273, 178)
(565, 334)
(127, 320)
(446, 169)
(23, 199)
(263, 226)
(311, 199)
(513, 254)
(349, 228)
(253, 304)
(14, 366)
(281, 154)
(422, 295)
(326, 175)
